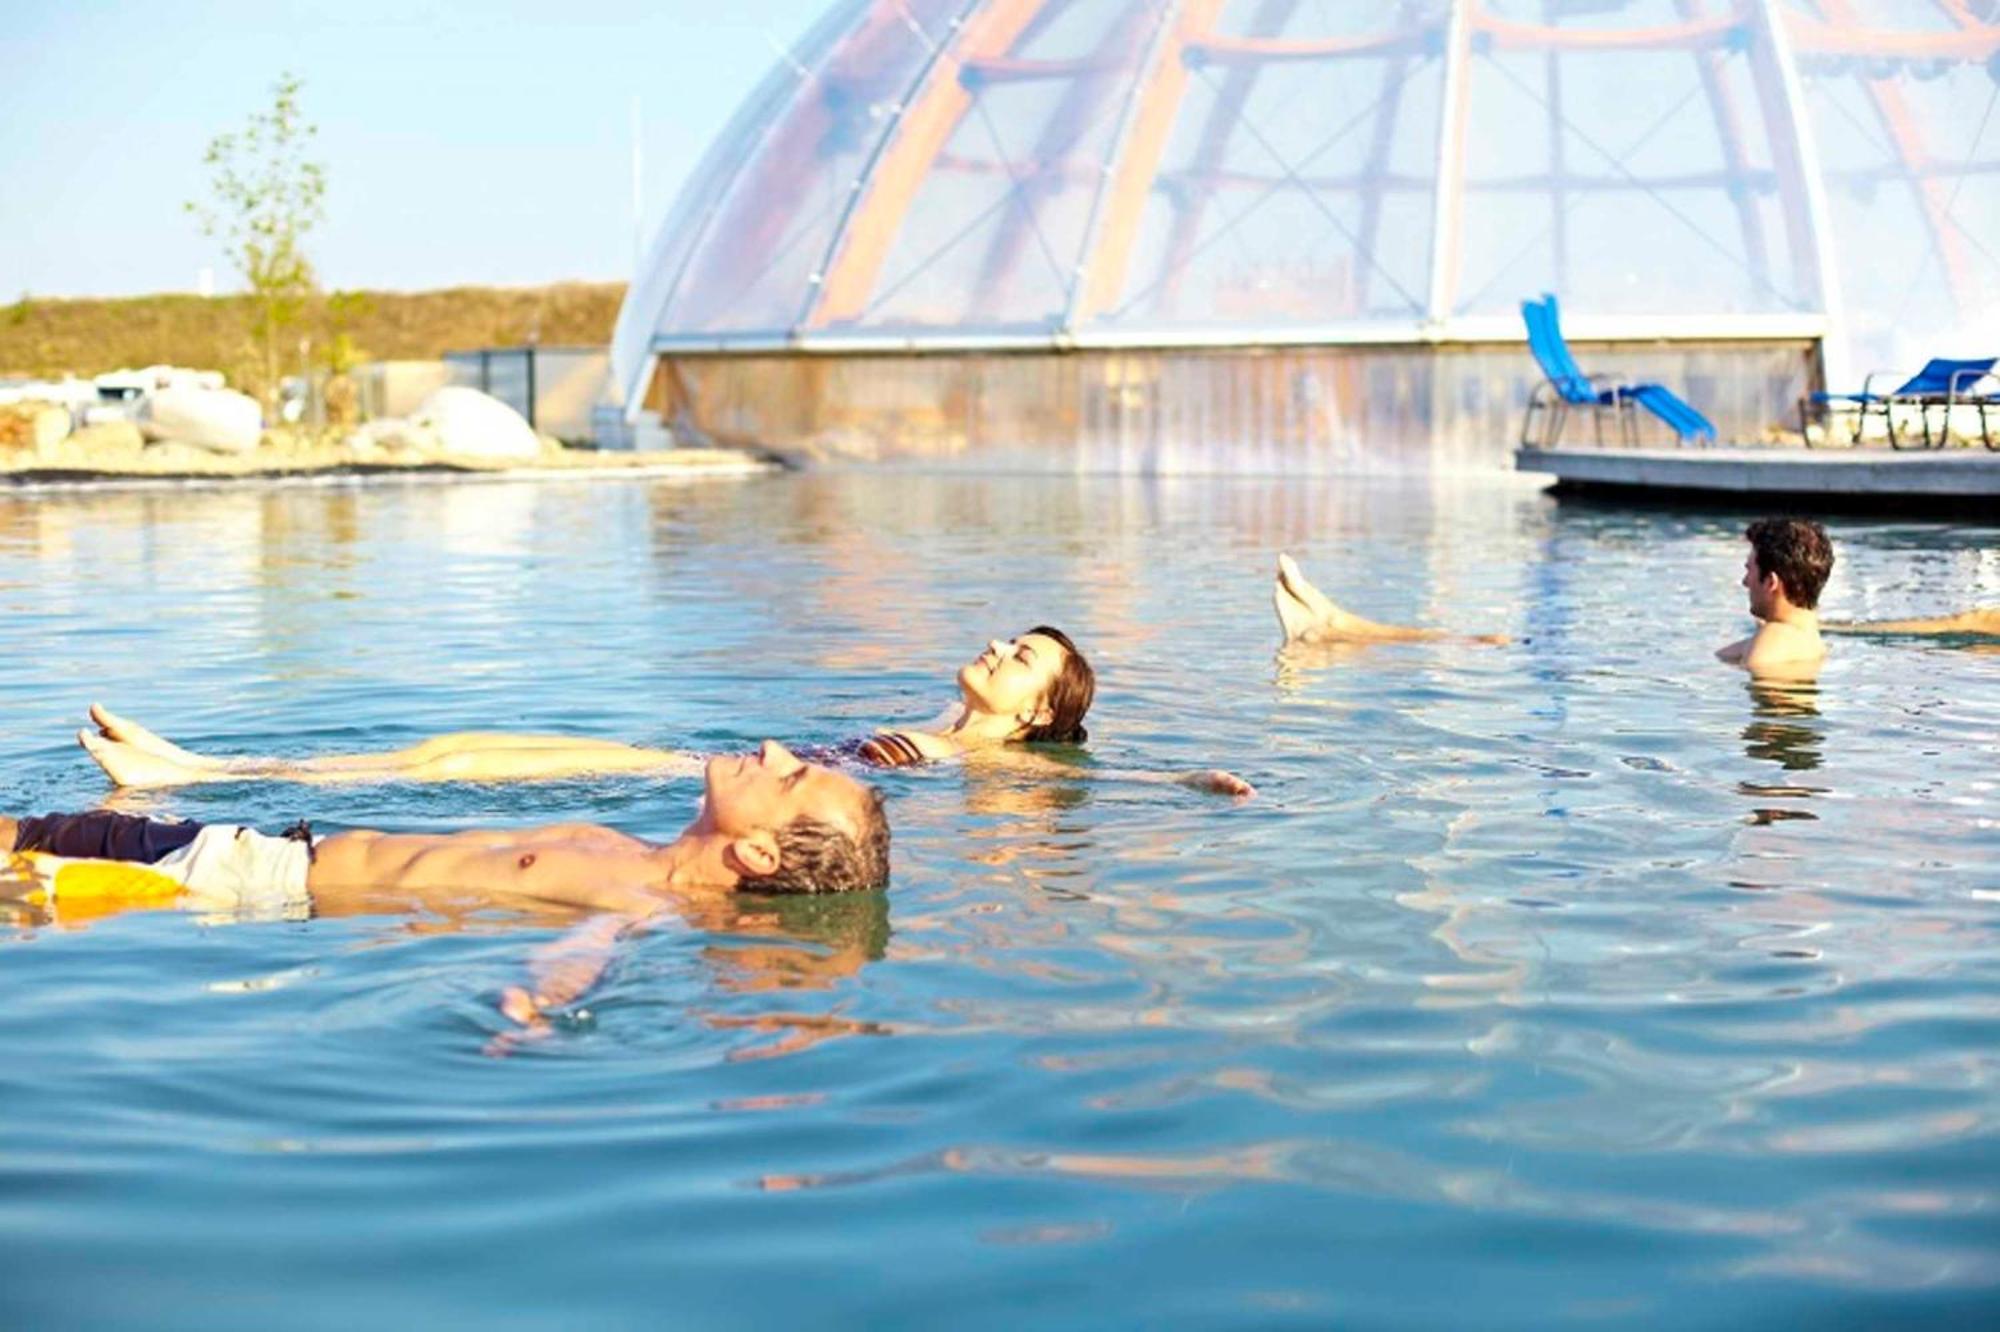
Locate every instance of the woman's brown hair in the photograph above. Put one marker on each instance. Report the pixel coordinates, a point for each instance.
(1069, 695)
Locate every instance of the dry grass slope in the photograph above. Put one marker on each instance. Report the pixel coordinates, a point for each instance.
(88, 337)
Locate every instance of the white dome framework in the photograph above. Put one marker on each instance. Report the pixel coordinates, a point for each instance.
(1158, 178)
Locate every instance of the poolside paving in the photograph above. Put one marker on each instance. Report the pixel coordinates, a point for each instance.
(156, 467)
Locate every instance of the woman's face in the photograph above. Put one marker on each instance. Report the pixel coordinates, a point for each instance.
(1011, 678)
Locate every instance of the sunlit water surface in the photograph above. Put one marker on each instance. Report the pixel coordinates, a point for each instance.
(1573, 982)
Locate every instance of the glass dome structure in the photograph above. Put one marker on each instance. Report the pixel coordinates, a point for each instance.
(1007, 175)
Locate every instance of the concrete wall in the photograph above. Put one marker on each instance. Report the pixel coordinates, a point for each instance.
(1252, 410)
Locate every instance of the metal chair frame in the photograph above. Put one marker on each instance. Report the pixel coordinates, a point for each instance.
(1869, 403)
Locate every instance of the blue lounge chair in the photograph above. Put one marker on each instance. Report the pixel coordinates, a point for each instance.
(1942, 382)
(1567, 387)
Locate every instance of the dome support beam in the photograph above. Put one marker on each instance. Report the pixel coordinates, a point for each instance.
(1225, 117)
(1121, 205)
(1448, 204)
(1729, 129)
(1695, 34)
(1376, 177)
(1847, 36)
(647, 300)
(815, 284)
(1931, 196)
(909, 151)
(1795, 150)
(1073, 118)
(1147, 71)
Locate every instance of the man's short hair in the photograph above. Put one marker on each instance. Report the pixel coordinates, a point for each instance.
(1069, 696)
(1798, 551)
(817, 857)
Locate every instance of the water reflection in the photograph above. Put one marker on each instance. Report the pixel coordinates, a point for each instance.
(1492, 957)
(757, 944)
(1783, 730)
(1297, 666)
(791, 945)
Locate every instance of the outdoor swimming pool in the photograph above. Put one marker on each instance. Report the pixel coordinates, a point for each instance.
(1573, 982)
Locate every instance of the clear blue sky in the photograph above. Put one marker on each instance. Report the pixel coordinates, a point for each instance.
(468, 143)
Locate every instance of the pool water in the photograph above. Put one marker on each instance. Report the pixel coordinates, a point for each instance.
(1571, 982)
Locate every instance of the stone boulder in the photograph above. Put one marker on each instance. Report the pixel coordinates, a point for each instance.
(103, 444)
(472, 424)
(219, 420)
(36, 427)
(395, 436)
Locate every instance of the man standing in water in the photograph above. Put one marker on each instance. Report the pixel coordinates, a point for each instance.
(1789, 562)
(767, 823)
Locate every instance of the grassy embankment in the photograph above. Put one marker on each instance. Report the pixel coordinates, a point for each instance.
(46, 337)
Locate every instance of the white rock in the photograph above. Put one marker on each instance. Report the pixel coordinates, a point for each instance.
(221, 420)
(108, 413)
(394, 435)
(473, 424)
(49, 428)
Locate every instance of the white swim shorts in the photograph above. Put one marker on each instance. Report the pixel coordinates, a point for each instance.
(242, 873)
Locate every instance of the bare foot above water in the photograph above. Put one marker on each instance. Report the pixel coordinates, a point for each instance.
(1308, 615)
(128, 765)
(126, 731)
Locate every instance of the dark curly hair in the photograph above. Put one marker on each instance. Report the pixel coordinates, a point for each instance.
(816, 857)
(1069, 695)
(1798, 551)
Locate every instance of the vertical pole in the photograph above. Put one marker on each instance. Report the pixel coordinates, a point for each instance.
(531, 387)
(1558, 165)
(1448, 203)
(1835, 356)
(638, 195)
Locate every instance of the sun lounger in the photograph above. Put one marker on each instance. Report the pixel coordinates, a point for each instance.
(1943, 382)
(1566, 387)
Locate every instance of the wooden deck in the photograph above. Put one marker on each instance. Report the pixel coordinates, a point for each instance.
(1877, 478)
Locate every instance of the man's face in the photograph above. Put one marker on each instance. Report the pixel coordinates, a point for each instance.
(1011, 678)
(765, 791)
(1761, 587)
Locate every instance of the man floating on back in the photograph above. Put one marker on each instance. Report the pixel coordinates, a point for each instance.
(767, 823)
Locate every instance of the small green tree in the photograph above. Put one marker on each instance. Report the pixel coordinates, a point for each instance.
(344, 309)
(264, 196)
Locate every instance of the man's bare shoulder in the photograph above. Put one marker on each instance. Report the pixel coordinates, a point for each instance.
(1793, 638)
(1779, 648)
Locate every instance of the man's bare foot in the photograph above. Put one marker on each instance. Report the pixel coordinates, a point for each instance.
(126, 731)
(128, 765)
(1308, 615)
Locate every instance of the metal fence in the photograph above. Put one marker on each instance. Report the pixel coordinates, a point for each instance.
(553, 387)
